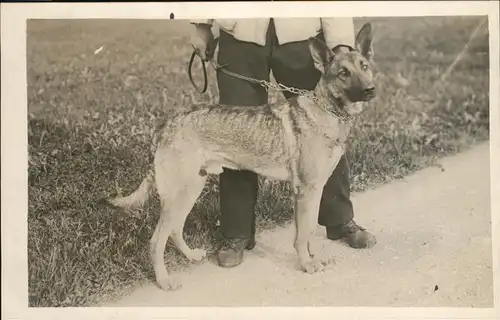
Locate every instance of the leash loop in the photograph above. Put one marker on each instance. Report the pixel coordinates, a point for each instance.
(218, 68)
(203, 67)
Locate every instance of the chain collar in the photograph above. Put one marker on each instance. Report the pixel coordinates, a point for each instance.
(309, 94)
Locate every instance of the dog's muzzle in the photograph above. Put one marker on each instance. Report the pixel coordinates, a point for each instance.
(365, 94)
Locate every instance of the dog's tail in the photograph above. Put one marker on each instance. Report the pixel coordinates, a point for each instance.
(139, 196)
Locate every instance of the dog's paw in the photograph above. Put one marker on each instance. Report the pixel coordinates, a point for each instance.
(197, 255)
(313, 266)
(169, 284)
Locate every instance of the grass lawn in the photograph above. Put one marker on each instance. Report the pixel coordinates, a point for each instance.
(91, 116)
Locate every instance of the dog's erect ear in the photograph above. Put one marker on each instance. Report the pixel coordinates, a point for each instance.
(364, 41)
(320, 53)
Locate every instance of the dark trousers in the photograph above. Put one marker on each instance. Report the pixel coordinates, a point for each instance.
(293, 66)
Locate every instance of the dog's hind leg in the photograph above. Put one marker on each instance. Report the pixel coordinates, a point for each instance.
(192, 192)
(169, 191)
(157, 247)
(178, 185)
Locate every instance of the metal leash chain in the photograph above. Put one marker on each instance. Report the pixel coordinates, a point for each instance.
(217, 67)
(265, 84)
(282, 87)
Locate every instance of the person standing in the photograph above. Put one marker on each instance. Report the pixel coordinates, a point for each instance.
(254, 48)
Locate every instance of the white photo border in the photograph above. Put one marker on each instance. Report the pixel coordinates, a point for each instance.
(15, 155)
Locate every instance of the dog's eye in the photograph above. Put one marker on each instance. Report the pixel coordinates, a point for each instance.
(364, 66)
(343, 73)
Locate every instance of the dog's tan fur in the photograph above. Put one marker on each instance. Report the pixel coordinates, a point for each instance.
(299, 140)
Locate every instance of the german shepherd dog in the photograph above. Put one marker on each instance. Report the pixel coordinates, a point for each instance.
(299, 140)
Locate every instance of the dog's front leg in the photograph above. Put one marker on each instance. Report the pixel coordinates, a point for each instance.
(294, 172)
(306, 217)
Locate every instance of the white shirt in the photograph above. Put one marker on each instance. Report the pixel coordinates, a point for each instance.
(336, 30)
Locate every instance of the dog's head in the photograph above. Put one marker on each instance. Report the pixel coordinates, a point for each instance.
(347, 77)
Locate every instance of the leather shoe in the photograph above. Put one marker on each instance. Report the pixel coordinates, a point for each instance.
(355, 235)
(231, 252)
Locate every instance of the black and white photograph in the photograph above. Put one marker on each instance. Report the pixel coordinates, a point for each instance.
(200, 155)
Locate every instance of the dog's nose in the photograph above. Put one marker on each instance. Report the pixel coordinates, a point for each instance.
(369, 90)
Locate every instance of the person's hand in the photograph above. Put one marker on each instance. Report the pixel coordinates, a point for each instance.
(202, 40)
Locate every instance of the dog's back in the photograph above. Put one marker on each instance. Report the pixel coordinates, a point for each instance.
(232, 132)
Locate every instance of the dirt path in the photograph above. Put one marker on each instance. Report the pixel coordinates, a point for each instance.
(434, 249)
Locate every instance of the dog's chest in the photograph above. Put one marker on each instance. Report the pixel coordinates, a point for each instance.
(317, 125)
(326, 135)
